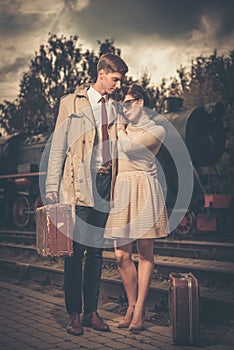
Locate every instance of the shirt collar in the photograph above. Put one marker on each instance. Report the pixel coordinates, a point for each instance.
(95, 95)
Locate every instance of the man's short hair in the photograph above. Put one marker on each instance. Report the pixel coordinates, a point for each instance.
(112, 63)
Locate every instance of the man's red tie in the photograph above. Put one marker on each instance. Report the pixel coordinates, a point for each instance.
(105, 137)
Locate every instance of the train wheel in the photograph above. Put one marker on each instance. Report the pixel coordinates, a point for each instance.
(37, 204)
(21, 211)
(187, 224)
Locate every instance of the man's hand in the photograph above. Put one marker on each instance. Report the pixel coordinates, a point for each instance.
(52, 197)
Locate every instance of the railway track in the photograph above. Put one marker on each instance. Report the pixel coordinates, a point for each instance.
(207, 260)
(215, 271)
(163, 264)
(209, 272)
(17, 236)
(196, 249)
(210, 305)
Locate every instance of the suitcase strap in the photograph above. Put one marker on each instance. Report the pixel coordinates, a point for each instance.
(190, 296)
(188, 278)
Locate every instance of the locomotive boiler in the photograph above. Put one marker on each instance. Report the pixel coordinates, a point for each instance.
(201, 129)
(203, 132)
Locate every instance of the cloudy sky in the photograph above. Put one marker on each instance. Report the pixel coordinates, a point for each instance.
(155, 36)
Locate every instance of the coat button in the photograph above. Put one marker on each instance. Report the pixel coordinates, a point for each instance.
(81, 181)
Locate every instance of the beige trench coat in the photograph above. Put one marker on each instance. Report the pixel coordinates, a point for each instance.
(69, 166)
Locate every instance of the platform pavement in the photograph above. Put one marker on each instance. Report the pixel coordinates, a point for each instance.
(31, 320)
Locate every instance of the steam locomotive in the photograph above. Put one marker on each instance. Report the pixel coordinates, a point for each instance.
(201, 129)
(20, 157)
(204, 134)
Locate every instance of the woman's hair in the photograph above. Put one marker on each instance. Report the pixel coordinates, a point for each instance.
(112, 63)
(136, 91)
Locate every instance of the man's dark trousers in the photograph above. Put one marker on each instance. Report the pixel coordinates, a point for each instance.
(88, 243)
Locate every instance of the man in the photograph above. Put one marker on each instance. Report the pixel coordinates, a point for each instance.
(79, 174)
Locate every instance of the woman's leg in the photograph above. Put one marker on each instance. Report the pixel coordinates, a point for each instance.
(145, 270)
(128, 273)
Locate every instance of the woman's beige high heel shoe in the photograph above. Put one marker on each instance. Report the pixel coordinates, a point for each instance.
(125, 322)
(136, 327)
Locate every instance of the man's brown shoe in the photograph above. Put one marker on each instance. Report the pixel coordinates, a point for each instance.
(74, 326)
(95, 321)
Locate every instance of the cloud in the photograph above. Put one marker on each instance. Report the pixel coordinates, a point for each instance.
(14, 22)
(8, 71)
(153, 35)
(157, 35)
(169, 19)
(68, 6)
(8, 91)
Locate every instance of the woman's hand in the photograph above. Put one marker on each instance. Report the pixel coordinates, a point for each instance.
(121, 124)
(152, 169)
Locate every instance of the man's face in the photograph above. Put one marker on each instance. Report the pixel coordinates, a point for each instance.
(110, 81)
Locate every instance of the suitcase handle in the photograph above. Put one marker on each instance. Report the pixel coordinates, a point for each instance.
(184, 275)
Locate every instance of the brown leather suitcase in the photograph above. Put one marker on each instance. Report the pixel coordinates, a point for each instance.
(184, 308)
(54, 230)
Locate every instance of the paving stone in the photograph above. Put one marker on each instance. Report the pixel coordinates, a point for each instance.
(31, 320)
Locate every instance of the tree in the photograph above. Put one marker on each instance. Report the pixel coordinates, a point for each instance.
(210, 79)
(56, 69)
(9, 116)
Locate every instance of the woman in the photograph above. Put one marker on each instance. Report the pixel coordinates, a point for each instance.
(139, 211)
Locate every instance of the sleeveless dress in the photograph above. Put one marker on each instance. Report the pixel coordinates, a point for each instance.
(139, 209)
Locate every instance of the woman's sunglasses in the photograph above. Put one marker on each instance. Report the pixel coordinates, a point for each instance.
(127, 104)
